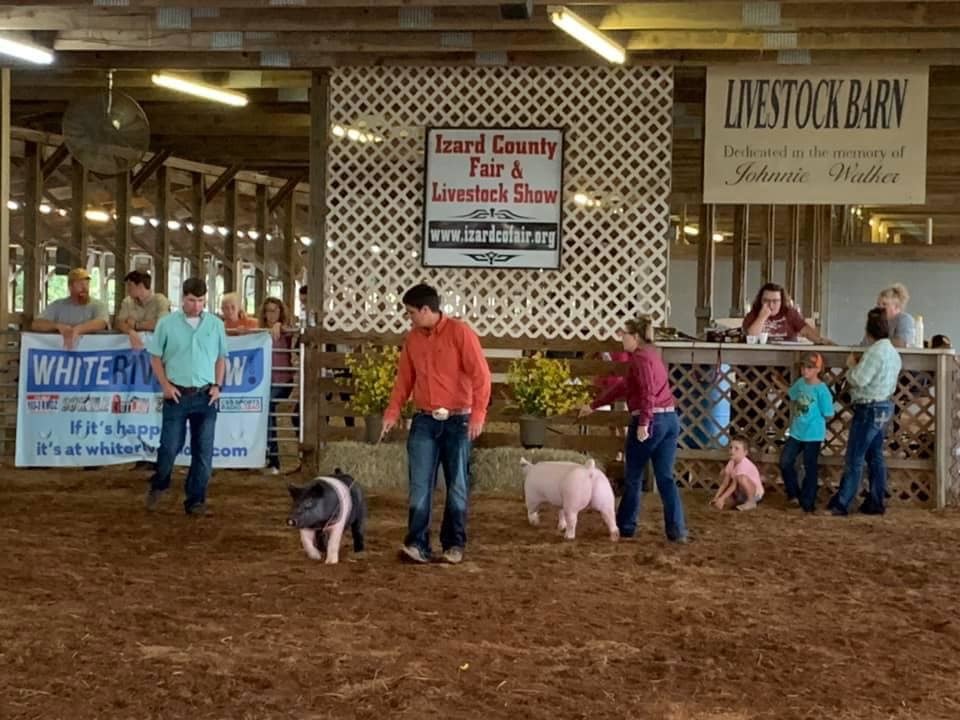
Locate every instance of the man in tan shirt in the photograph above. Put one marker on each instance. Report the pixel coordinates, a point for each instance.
(141, 309)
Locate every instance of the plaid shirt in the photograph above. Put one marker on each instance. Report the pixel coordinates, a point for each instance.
(874, 378)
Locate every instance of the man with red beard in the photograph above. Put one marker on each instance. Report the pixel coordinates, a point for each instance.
(75, 315)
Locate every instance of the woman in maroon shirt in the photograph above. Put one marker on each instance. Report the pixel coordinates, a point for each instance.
(653, 432)
(774, 313)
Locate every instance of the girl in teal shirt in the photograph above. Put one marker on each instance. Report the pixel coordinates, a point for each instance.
(811, 404)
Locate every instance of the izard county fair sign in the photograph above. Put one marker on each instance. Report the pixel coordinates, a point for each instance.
(807, 135)
(493, 197)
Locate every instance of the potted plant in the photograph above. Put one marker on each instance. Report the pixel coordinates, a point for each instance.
(542, 387)
(372, 374)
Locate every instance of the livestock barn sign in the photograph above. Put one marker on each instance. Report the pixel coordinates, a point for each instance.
(493, 197)
(815, 135)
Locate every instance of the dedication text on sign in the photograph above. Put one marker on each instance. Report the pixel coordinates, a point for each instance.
(811, 134)
(101, 404)
(493, 198)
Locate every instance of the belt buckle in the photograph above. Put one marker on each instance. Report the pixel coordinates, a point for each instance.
(440, 414)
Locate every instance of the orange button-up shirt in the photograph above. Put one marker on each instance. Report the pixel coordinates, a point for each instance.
(445, 368)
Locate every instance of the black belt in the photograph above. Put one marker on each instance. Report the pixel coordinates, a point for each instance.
(193, 390)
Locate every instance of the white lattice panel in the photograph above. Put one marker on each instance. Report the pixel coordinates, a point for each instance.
(618, 148)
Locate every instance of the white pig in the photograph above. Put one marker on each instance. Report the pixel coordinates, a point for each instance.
(571, 487)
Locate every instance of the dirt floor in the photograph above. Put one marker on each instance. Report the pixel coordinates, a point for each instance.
(108, 612)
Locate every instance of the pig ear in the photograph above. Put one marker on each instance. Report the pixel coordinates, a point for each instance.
(524, 463)
(294, 491)
(337, 471)
(590, 464)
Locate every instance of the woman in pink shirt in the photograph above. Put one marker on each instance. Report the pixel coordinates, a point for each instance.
(273, 315)
(653, 431)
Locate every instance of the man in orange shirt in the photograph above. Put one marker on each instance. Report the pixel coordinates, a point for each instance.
(442, 363)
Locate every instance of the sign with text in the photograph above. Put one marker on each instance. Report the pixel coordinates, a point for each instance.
(100, 404)
(493, 198)
(792, 135)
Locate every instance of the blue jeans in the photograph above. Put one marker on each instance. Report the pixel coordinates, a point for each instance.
(865, 445)
(807, 494)
(661, 447)
(273, 442)
(202, 416)
(430, 445)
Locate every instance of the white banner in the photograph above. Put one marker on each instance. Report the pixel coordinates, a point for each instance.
(811, 134)
(493, 198)
(100, 404)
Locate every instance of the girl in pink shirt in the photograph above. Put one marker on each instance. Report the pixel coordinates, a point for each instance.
(740, 484)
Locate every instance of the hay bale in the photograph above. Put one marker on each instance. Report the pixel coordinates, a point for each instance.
(381, 466)
(384, 466)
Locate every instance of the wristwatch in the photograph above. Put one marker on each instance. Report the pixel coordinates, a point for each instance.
(218, 386)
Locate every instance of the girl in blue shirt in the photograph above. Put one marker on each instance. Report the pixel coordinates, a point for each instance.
(811, 404)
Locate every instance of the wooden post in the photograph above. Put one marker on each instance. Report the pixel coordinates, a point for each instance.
(121, 259)
(312, 421)
(770, 244)
(197, 196)
(6, 296)
(260, 247)
(944, 451)
(706, 262)
(793, 254)
(232, 277)
(161, 279)
(34, 254)
(811, 231)
(741, 252)
(78, 217)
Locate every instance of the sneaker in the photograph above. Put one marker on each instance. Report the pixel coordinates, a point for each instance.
(153, 499)
(453, 556)
(414, 553)
(199, 510)
(682, 540)
(271, 471)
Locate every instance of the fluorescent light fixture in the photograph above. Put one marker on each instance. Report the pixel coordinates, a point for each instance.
(306, 240)
(154, 222)
(207, 92)
(241, 234)
(62, 212)
(137, 220)
(100, 216)
(253, 234)
(580, 199)
(718, 237)
(691, 230)
(190, 227)
(223, 231)
(173, 225)
(25, 51)
(353, 134)
(338, 131)
(13, 205)
(45, 209)
(584, 32)
(375, 248)
(208, 229)
(269, 237)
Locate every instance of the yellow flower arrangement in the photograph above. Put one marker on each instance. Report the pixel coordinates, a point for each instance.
(372, 375)
(543, 387)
